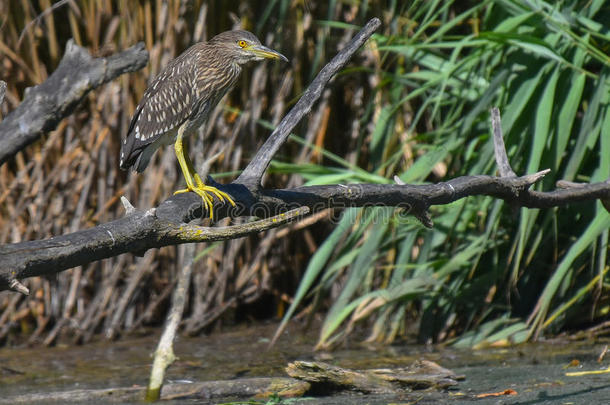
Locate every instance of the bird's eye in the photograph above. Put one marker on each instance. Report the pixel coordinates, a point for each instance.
(241, 43)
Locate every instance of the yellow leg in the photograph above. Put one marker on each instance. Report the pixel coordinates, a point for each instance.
(198, 185)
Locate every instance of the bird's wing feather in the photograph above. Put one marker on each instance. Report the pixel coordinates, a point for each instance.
(166, 104)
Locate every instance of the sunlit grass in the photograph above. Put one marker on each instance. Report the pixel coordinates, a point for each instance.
(484, 266)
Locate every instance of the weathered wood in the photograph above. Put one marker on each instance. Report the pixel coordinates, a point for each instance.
(422, 374)
(45, 105)
(305, 377)
(241, 388)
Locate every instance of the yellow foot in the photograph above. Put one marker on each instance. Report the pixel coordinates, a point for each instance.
(205, 193)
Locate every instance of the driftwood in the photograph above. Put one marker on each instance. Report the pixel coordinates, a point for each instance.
(207, 390)
(422, 374)
(306, 378)
(167, 224)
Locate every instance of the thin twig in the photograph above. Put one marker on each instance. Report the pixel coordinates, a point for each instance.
(499, 148)
(38, 18)
(164, 355)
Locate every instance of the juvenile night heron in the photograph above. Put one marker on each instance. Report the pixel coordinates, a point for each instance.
(181, 98)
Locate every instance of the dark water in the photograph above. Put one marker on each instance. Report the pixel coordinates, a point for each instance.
(536, 372)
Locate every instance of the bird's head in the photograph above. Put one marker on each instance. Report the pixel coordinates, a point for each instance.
(243, 46)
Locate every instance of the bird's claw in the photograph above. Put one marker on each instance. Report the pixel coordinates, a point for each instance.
(204, 192)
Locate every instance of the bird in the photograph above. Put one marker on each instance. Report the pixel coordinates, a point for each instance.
(180, 100)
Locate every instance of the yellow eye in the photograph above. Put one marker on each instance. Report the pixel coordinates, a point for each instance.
(241, 43)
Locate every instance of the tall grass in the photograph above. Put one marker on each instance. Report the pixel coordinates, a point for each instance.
(486, 273)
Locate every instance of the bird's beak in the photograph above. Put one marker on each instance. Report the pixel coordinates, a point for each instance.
(267, 53)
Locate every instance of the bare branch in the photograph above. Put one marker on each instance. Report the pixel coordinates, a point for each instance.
(571, 185)
(45, 105)
(138, 231)
(166, 225)
(499, 148)
(252, 174)
(38, 18)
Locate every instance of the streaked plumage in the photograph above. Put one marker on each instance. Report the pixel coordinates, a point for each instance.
(180, 100)
(185, 92)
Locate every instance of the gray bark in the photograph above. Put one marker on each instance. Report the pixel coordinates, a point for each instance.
(45, 105)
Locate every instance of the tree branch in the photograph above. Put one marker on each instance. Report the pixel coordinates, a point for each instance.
(253, 173)
(135, 232)
(45, 105)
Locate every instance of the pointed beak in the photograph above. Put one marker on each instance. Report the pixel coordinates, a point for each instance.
(267, 53)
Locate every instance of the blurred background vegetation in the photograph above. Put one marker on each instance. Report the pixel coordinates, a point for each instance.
(413, 103)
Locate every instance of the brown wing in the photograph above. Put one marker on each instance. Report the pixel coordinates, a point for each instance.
(166, 104)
